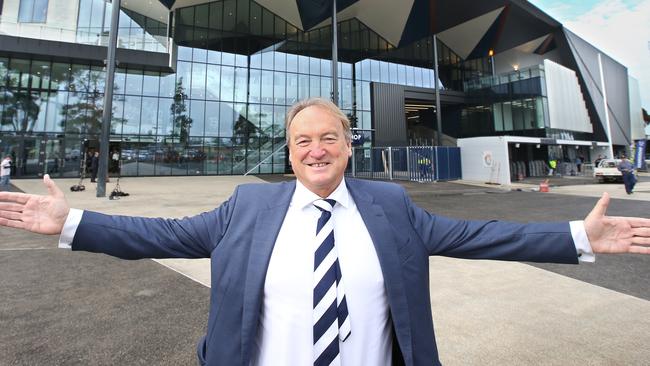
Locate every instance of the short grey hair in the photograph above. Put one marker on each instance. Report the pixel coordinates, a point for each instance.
(324, 104)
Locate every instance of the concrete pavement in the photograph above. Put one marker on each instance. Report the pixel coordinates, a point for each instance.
(485, 312)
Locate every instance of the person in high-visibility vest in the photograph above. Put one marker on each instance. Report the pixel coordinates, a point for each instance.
(424, 163)
(552, 164)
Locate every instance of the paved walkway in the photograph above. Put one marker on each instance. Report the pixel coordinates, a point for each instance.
(486, 312)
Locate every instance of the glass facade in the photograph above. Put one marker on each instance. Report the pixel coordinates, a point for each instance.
(136, 31)
(510, 104)
(238, 68)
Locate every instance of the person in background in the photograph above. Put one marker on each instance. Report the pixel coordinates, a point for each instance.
(627, 170)
(94, 166)
(552, 164)
(5, 172)
(598, 160)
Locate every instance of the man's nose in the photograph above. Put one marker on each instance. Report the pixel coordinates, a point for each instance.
(317, 151)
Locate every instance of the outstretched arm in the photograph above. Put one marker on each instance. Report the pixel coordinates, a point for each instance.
(35, 213)
(609, 234)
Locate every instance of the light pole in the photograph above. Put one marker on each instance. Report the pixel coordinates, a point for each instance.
(491, 54)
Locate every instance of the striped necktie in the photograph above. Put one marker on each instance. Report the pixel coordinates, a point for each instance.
(331, 321)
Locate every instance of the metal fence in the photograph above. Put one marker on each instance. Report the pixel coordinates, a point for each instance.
(414, 163)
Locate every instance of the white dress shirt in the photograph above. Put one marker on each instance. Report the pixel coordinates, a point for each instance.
(285, 332)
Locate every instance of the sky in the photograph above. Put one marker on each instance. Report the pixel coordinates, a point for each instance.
(619, 28)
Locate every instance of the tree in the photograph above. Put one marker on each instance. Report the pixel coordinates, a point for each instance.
(182, 122)
(21, 108)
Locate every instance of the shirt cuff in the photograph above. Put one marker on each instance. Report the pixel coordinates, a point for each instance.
(70, 228)
(580, 240)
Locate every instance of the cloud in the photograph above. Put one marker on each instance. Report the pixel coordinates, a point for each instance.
(621, 29)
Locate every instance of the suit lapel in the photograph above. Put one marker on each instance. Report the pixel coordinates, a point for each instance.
(386, 242)
(267, 226)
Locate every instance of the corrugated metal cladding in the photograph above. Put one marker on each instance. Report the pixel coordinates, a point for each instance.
(388, 116)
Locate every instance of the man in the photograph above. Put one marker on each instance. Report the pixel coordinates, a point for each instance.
(94, 166)
(5, 172)
(627, 170)
(322, 270)
(552, 164)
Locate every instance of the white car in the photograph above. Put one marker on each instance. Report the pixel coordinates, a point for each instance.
(607, 170)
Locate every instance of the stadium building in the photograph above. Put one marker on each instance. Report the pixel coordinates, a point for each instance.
(202, 87)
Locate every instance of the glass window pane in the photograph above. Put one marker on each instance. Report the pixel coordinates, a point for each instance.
(280, 61)
(303, 64)
(279, 81)
(40, 75)
(326, 87)
(392, 72)
(292, 88)
(267, 60)
(54, 116)
(314, 86)
(255, 85)
(132, 108)
(184, 75)
(216, 14)
(184, 53)
(212, 85)
(267, 87)
(241, 85)
(211, 118)
(266, 120)
(148, 125)
(150, 83)
(226, 119)
(198, 81)
(167, 85)
(118, 114)
(227, 58)
(383, 72)
(227, 83)
(214, 57)
(229, 16)
(165, 127)
(292, 62)
(314, 66)
(303, 86)
(134, 82)
(197, 110)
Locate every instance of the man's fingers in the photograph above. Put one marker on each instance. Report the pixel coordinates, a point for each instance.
(14, 197)
(641, 231)
(7, 206)
(601, 206)
(10, 215)
(12, 223)
(639, 250)
(640, 240)
(635, 222)
(51, 186)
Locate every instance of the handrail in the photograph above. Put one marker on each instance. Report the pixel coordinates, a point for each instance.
(263, 160)
(44, 31)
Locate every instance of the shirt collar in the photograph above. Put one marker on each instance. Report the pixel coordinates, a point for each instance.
(303, 197)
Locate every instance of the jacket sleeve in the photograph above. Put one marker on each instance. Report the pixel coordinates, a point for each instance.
(533, 242)
(129, 237)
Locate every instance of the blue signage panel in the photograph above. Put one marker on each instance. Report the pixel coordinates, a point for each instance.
(639, 154)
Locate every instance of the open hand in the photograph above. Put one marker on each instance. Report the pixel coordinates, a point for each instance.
(609, 234)
(38, 214)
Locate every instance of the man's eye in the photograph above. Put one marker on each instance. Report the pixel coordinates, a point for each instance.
(302, 142)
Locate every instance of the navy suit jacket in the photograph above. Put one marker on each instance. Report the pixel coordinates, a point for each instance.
(239, 236)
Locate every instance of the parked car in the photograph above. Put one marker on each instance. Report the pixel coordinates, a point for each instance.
(607, 171)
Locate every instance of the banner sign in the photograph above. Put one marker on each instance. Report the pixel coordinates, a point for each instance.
(639, 154)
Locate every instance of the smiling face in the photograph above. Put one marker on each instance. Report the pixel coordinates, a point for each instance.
(318, 149)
